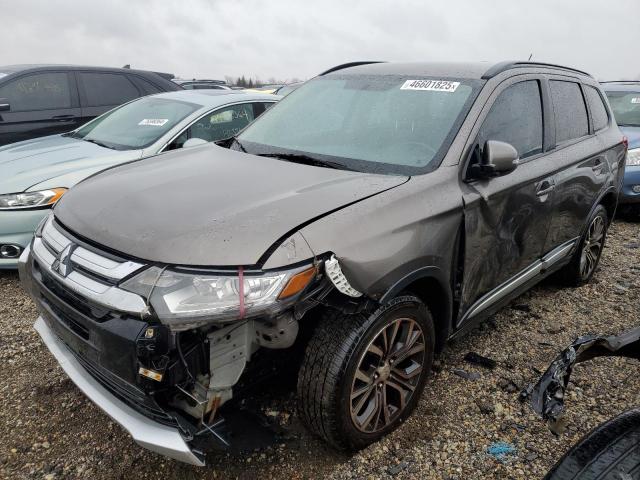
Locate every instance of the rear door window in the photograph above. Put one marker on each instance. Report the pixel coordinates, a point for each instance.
(40, 91)
(107, 89)
(516, 118)
(599, 114)
(569, 110)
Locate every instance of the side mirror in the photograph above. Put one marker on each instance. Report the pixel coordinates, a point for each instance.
(4, 105)
(498, 158)
(194, 142)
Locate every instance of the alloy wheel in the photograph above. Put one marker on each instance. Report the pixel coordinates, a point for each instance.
(388, 373)
(592, 247)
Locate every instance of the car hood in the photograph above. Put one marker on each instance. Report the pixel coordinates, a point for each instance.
(29, 163)
(208, 206)
(633, 135)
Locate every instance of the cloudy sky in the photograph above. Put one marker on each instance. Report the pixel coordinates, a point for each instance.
(297, 38)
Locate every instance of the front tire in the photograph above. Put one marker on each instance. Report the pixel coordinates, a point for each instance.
(587, 256)
(362, 375)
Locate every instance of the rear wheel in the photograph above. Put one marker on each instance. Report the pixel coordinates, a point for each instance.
(362, 376)
(586, 258)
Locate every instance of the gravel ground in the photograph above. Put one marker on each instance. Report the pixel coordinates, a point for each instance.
(49, 430)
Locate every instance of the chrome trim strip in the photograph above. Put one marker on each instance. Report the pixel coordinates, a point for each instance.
(53, 237)
(558, 253)
(105, 295)
(538, 267)
(103, 266)
(151, 435)
(506, 288)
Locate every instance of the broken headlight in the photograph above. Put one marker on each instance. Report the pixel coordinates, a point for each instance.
(186, 300)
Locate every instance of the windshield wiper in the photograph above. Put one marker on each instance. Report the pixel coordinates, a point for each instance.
(306, 160)
(100, 144)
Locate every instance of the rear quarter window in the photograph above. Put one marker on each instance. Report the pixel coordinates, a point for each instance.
(569, 110)
(599, 114)
(147, 87)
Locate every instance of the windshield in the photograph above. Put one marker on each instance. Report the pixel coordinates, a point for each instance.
(626, 107)
(380, 124)
(137, 124)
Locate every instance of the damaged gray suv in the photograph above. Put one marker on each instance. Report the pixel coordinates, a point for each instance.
(374, 213)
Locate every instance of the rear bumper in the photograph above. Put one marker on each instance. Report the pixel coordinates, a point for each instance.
(147, 433)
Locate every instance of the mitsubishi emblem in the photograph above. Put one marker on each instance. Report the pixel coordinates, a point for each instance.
(62, 264)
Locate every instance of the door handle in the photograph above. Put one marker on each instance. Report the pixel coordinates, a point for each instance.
(544, 188)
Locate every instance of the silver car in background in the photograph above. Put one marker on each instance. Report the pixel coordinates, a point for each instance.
(34, 174)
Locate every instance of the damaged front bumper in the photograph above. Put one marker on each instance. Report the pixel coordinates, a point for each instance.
(165, 387)
(152, 435)
(546, 397)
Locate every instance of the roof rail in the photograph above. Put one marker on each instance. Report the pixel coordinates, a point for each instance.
(350, 64)
(620, 81)
(504, 66)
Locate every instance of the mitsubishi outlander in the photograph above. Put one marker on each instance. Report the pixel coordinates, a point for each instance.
(371, 215)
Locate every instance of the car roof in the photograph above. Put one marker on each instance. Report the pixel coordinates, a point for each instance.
(213, 98)
(50, 66)
(470, 70)
(621, 86)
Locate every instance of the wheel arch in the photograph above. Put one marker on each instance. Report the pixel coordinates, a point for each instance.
(429, 284)
(609, 200)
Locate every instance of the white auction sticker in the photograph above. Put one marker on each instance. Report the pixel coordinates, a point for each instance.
(635, 100)
(430, 85)
(154, 122)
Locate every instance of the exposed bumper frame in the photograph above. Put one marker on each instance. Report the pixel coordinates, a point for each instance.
(147, 433)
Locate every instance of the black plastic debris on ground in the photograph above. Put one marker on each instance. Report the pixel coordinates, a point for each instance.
(547, 396)
(466, 375)
(477, 359)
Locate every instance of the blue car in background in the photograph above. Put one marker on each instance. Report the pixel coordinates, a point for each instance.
(624, 97)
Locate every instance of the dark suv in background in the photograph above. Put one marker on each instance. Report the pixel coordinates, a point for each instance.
(39, 100)
(366, 219)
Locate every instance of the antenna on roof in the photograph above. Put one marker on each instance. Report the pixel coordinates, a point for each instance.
(127, 66)
(530, 57)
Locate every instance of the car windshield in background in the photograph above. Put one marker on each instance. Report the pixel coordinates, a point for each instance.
(380, 124)
(626, 107)
(137, 124)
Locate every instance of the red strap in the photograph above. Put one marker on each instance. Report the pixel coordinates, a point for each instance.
(241, 290)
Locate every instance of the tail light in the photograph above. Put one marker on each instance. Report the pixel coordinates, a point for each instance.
(625, 142)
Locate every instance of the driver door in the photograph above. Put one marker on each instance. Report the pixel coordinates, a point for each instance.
(506, 217)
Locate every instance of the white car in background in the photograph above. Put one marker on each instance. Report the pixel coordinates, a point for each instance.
(34, 174)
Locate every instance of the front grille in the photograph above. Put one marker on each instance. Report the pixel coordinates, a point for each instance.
(86, 299)
(127, 393)
(80, 303)
(83, 276)
(76, 327)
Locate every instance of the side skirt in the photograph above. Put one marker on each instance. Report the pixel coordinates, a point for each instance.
(522, 281)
